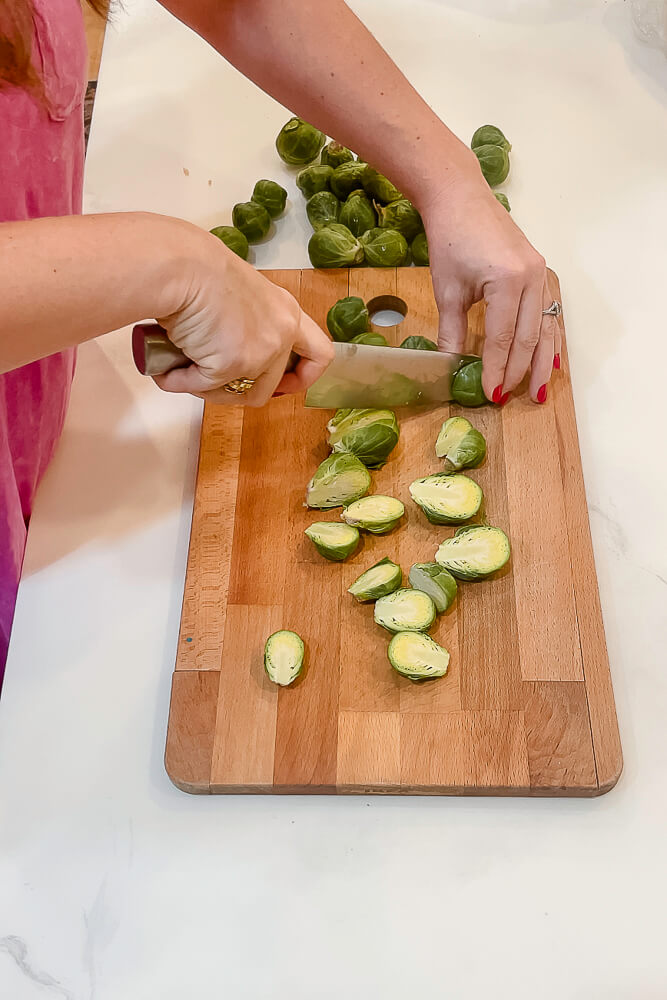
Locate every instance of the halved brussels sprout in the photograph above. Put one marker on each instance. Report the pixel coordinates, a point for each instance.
(232, 238)
(467, 385)
(402, 216)
(369, 434)
(419, 248)
(495, 163)
(405, 611)
(332, 540)
(460, 444)
(252, 220)
(489, 135)
(377, 514)
(339, 479)
(313, 179)
(446, 498)
(347, 318)
(271, 196)
(435, 581)
(334, 246)
(384, 247)
(417, 656)
(334, 154)
(503, 199)
(372, 339)
(347, 178)
(298, 142)
(381, 579)
(378, 187)
(416, 343)
(283, 657)
(358, 214)
(475, 552)
(322, 209)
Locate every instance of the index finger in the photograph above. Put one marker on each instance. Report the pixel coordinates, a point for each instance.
(502, 309)
(316, 352)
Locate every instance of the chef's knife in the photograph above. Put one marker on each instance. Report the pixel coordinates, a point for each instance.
(359, 375)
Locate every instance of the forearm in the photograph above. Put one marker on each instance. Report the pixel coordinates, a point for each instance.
(320, 61)
(67, 280)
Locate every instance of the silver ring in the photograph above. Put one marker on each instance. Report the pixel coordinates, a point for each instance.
(555, 309)
(239, 385)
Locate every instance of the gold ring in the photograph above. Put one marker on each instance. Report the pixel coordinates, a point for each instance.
(239, 385)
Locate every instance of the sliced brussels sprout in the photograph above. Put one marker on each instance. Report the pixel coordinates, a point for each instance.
(381, 579)
(332, 540)
(384, 247)
(378, 187)
(232, 238)
(333, 154)
(460, 444)
(489, 135)
(435, 581)
(419, 249)
(311, 180)
(495, 163)
(467, 385)
(347, 178)
(417, 656)
(283, 657)
(372, 339)
(322, 209)
(334, 246)
(347, 318)
(377, 514)
(340, 479)
(405, 611)
(358, 214)
(298, 142)
(416, 343)
(447, 498)
(402, 216)
(371, 435)
(474, 553)
(503, 199)
(271, 196)
(252, 220)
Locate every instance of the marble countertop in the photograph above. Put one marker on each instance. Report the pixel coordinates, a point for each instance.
(113, 883)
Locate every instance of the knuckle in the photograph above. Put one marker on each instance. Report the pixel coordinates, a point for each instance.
(504, 338)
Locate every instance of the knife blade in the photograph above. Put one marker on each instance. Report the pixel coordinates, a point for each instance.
(359, 375)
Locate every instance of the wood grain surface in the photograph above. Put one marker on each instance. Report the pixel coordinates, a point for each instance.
(527, 706)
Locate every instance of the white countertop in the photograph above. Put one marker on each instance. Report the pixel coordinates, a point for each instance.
(113, 883)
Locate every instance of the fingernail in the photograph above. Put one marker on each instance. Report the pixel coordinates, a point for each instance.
(542, 394)
(278, 394)
(557, 362)
(497, 394)
(503, 399)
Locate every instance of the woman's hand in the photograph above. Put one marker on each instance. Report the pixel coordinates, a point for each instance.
(477, 252)
(234, 323)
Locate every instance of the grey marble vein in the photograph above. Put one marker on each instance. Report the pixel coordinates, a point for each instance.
(17, 949)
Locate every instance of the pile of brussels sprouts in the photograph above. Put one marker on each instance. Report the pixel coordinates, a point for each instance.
(252, 219)
(492, 149)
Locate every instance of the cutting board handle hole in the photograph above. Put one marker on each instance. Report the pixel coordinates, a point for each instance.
(387, 310)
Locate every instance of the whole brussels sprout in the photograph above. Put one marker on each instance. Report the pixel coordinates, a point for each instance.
(322, 209)
(312, 179)
(298, 142)
(384, 247)
(347, 318)
(371, 339)
(347, 178)
(419, 249)
(495, 163)
(502, 198)
(490, 135)
(377, 186)
(334, 246)
(467, 385)
(271, 196)
(232, 238)
(402, 216)
(416, 343)
(358, 214)
(252, 219)
(334, 154)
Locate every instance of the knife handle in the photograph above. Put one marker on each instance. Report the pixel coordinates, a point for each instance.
(155, 354)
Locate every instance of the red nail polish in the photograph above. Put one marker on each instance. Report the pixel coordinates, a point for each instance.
(557, 362)
(278, 394)
(542, 394)
(503, 399)
(497, 394)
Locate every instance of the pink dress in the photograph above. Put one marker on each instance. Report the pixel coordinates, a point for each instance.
(41, 172)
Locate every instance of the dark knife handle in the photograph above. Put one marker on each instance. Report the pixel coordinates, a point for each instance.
(154, 353)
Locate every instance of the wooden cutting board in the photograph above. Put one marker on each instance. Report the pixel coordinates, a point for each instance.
(527, 706)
